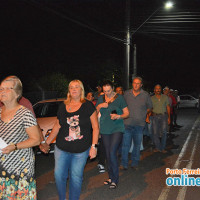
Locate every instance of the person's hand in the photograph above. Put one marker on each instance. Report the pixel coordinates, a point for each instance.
(44, 147)
(147, 119)
(8, 149)
(92, 152)
(114, 116)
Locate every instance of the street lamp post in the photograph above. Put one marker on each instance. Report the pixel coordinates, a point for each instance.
(129, 35)
(127, 60)
(134, 62)
(127, 47)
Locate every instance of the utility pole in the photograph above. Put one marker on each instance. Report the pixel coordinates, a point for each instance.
(127, 47)
(134, 62)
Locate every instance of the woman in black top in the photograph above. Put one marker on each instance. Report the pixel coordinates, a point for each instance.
(76, 129)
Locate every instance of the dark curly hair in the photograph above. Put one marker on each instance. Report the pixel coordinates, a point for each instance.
(108, 82)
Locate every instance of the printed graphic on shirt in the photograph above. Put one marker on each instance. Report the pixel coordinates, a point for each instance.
(74, 128)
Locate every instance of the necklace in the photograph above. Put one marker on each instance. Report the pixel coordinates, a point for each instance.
(73, 106)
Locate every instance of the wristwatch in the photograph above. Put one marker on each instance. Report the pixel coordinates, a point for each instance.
(15, 147)
(43, 142)
(95, 146)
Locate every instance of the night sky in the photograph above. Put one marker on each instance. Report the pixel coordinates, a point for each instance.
(71, 37)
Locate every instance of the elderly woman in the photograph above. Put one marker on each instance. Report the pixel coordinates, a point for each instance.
(19, 130)
(113, 109)
(77, 133)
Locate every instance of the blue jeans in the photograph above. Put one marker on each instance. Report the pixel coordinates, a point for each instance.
(159, 125)
(71, 164)
(134, 133)
(111, 143)
(149, 126)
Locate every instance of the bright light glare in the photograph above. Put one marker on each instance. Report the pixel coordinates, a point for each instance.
(169, 5)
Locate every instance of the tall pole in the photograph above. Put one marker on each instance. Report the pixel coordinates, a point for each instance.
(127, 50)
(134, 62)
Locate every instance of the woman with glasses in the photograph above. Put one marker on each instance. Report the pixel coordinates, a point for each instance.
(77, 133)
(18, 133)
(113, 109)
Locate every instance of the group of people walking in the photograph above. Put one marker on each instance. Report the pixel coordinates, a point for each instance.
(119, 118)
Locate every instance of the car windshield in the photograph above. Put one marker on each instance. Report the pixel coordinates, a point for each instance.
(187, 98)
(46, 109)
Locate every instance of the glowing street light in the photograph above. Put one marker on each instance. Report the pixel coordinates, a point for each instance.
(169, 5)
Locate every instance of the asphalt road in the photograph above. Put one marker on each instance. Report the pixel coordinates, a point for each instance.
(149, 181)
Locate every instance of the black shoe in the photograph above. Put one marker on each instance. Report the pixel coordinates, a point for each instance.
(113, 185)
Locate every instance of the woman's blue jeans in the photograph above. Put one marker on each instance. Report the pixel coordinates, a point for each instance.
(72, 165)
(134, 133)
(111, 143)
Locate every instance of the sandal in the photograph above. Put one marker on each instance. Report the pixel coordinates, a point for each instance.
(113, 185)
(108, 182)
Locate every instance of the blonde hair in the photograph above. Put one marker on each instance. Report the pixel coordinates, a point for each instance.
(17, 86)
(82, 99)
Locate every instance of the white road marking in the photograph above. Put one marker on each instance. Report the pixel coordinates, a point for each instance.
(166, 189)
(182, 191)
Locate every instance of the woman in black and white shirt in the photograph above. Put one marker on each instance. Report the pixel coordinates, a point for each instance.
(19, 130)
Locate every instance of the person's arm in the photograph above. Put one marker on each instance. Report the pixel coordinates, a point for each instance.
(124, 115)
(45, 146)
(149, 109)
(101, 105)
(149, 112)
(33, 140)
(168, 113)
(174, 102)
(42, 139)
(95, 134)
(41, 134)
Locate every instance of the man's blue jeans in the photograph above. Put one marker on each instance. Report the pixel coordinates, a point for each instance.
(134, 133)
(159, 125)
(150, 129)
(71, 164)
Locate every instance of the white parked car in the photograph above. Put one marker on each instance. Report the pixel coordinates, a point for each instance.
(46, 112)
(188, 101)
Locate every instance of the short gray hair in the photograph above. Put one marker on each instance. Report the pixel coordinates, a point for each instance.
(139, 78)
(18, 88)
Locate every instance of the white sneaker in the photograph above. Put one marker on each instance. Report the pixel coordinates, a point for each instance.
(101, 168)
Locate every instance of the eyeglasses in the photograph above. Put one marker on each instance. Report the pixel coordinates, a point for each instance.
(6, 89)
